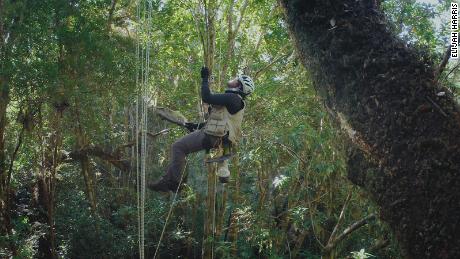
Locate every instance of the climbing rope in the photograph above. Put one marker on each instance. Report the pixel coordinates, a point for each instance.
(139, 77)
(144, 21)
(206, 49)
(214, 214)
(170, 211)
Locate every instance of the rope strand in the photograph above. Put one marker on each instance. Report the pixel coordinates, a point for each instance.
(144, 18)
(170, 210)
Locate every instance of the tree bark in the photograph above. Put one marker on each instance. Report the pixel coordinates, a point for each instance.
(57, 143)
(1, 25)
(233, 229)
(383, 94)
(211, 9)
(4, 101)
(88, 175)
(5, 226)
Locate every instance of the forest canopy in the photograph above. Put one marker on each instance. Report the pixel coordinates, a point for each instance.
(69, 86)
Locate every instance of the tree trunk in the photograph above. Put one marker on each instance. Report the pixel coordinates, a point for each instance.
(57, 143)
(45, 190)
(210, 215)
(235, 187)
(88, 175)
(5, 226)
(384, 95)
(4, 101)
(209, 221)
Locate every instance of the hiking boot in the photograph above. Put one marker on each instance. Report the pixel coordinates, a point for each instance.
(163, 185)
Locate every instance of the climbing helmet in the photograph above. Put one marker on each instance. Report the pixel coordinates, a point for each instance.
(247, 84)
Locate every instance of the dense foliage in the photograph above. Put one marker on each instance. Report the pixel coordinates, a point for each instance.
(68, 92)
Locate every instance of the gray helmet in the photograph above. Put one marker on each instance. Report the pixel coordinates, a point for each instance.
(247, 83)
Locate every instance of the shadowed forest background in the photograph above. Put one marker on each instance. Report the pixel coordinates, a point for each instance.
(67, 101)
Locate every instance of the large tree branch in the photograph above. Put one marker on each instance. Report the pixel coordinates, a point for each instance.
(97, 151)
(113, 157)
(354, 227)
(333, 243)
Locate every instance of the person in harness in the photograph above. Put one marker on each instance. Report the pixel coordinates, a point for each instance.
(223, 126)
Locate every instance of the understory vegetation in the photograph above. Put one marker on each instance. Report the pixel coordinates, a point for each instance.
(68, 183)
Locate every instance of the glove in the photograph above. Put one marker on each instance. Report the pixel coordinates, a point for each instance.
(190, 126)
(204, 72)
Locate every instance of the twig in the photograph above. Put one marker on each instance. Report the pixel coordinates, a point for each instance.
(111, 11)
(130, 144)
(339, 221)
(197, 25)
(437, 106)
(453, 69)
(243, 9)
(292, 152)
(18, 145)
(443, 64)
(161, 132)
(275, 60)
(247, 70)
(10, 169)
(348, 231)
(231, 34)
(355, 226)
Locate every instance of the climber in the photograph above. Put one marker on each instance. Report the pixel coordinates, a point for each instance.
(222, 126)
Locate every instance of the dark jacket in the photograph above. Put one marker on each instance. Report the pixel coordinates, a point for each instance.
(231, 100)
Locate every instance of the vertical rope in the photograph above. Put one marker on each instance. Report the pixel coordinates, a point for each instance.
(170, 210)
(143, 31)
(143, 144)
(214, 216)
(136, 136)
